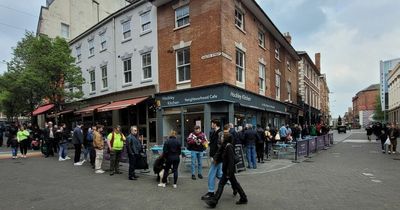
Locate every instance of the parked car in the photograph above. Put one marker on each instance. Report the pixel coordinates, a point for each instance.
(341, 128)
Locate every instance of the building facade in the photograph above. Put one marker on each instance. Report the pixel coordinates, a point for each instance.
(394, 95)
(364, 104)
(225, 60)
(310, 88)
(69, 18)
(118, 58)
(385, 67)
(324, 98)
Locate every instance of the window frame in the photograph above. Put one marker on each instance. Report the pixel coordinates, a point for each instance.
(186, 66)
(62, 31)
(261, 77)
(261, 39)
(239, 21)
(91, 47)
(146, 67)
(289, 90)
(240, 66)
(277, 52)
(78, 53)
(103, 41)
(277, 87)
(183, 17)
(126, 29)
(148, 22)
(104, 77)
(127, 69)
(92, 79)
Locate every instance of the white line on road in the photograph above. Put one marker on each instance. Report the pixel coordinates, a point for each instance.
(367, 174)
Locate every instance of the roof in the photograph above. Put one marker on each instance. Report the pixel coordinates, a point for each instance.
(42, 109)
(371, 87)
(305, 54)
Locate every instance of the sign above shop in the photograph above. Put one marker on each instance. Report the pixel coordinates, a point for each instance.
(220, 93)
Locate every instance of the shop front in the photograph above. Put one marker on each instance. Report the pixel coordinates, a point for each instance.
(181, 110)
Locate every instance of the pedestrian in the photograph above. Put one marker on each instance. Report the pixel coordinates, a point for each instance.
(134, 147)
(88, 144)
(226, 156)
(393, 134)
(115, 142)
(250, 139)
(215, 171)
(77, 141)
(305, 131)
(268, 142)
(260, 144)
(171, 152)
(196, 145)
(240, 135)
(283, 133)
(383, 137)
(98, 145)
(233, 132)
(49, 138)
(22, 137)
(63, 143)
(13, 143)
(369, 131)
(313, 130)
(2, 129)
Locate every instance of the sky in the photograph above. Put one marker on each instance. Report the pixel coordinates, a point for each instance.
(352, 37)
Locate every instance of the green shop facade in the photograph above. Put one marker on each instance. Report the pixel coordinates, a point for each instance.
(181, 110)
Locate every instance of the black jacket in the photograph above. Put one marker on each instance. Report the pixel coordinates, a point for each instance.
(133, 145)
(251, 137)
(261, 136)
(393, 133)
(215, 141)
(172, 149)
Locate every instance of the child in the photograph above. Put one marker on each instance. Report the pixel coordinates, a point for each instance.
(13, 143)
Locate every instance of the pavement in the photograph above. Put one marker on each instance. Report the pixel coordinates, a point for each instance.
(353, 174)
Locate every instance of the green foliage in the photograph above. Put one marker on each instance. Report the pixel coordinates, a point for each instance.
(378, 113)
(39, 69)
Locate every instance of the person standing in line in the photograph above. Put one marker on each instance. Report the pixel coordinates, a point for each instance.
(393, 135)
(260, 144)
(215, 170)
(233, 132)
(171, 151)
(63, 143)
(98, 144)
(283, 133)
(22, 137)
(49, 139)
(115, 142)
(250, 139)
(268, 142)
(2, 129)
(89, 151)
(196, 141)
(134, 147)
(226, 156)
(77, 141)
(313, 130)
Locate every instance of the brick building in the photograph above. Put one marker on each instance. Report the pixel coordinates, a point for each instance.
(394, 95)
(364, 104)
(324, 95)
(222, 59)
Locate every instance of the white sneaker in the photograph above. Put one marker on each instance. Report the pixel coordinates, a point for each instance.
(394, 152)
(174, 186)
(99, 171)
(83, 161)
(78, 164)
(67, 158)
(161, 185)
(61, 159)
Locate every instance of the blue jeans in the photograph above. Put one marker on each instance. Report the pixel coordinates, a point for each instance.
(62, 152)
(196, 155)
(215, 171)
(251, 156)
(14, 151)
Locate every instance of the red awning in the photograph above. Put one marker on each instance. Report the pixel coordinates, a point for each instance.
(42, 109)
(65, 112)
(121, 104)
(89, 109)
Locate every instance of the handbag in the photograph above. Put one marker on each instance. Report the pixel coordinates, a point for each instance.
(387, 142)
(277, 136)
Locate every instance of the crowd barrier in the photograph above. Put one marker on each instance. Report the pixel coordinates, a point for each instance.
(312, 144)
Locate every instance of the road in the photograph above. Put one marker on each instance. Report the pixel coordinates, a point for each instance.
(353, 174)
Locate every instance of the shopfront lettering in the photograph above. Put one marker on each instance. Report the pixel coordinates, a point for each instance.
(240, 96)
(267, 106)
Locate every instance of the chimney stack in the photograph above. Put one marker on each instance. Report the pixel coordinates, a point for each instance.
(318, 61)
(288, 37)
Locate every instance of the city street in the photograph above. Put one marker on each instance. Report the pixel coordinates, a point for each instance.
(353, 174)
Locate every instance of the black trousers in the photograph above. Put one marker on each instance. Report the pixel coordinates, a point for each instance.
(78, 150)
(260, 151)
(1, 139)
(115, 157)
(49, 143)
(55, 146)
(235, 186)
(132, 164)
(23, 146)
(174, 163)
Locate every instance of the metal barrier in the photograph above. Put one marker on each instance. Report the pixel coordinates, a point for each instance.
(311, 145)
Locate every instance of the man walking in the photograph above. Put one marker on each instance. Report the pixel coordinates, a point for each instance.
(226, 156)
(393, 135)
(133, 146)
(77, 141)
(215, 171)
(98, 145)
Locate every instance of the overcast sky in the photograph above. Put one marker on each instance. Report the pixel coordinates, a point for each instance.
(352, 36)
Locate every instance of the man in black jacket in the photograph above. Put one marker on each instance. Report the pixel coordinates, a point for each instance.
(226, 156)
(133, 146)
(215, 169)
(251, 137)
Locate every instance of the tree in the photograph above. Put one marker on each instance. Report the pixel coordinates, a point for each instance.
(40, 69)
(378, 113)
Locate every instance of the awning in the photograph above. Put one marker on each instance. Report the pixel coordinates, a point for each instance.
(121, 104)
(89, 109)
(42, 109)
(65, 112)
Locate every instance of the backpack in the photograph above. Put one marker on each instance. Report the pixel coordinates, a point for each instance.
(89, 136)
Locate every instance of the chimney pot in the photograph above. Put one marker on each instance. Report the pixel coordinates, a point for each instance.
(318, 61)
(288, 37)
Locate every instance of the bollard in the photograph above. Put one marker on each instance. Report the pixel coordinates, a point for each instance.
(296, 153)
